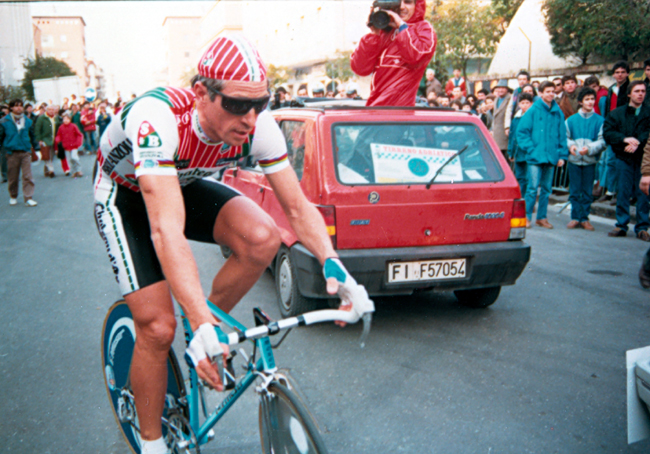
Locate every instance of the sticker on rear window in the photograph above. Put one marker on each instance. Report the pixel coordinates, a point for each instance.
(404, 164)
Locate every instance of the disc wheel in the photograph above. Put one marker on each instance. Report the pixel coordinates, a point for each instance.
(285, 424)
(118, 340)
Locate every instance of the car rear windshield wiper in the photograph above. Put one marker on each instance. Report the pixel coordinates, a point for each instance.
(458, 153)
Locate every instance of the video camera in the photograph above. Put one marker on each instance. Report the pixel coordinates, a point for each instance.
(379, 18)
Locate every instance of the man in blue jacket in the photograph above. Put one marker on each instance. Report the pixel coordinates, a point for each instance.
(18, 142)
(541, 135)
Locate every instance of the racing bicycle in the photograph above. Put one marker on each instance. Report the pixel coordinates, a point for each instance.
(285, 423)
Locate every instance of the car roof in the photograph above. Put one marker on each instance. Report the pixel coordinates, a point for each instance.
(344, 107)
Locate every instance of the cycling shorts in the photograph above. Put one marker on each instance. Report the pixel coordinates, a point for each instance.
(121, 218)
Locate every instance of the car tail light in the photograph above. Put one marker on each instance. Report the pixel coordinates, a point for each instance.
(518, 220)
(329, 215)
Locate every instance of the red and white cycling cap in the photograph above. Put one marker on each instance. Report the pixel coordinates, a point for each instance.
(232, 58)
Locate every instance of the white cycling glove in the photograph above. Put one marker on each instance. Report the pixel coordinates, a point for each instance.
(349, 291)
(204, 344)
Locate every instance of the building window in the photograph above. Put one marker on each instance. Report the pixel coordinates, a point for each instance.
(47, 41)
(64, 55)
(187, 55)
(64, 38)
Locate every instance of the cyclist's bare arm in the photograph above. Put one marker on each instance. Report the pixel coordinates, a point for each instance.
(166, 213)
(304, 218)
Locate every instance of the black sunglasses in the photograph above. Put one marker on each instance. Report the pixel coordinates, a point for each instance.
(241, 106)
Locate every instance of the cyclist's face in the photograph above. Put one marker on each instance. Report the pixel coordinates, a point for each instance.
(221, 125)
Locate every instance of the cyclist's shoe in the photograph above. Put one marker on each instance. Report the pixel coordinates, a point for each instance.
(350, 292)
(154, 447)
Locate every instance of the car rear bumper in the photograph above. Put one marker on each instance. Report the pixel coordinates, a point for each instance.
(488, 265)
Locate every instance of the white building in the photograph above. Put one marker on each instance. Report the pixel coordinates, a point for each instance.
(16, 43)
(513, 51)
(299, 34)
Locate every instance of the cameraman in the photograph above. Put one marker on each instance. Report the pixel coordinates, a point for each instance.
(397, 57)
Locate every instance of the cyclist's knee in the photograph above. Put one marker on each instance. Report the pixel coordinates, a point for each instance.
(159, 332)
(260, 244)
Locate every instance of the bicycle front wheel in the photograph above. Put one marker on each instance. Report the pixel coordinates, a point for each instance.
(286, 425)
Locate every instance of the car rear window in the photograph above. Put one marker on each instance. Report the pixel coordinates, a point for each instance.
(411, 153)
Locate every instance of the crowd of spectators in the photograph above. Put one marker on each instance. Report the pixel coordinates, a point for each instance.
(47, 133)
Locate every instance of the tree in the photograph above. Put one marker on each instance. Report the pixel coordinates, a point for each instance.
(625, 30)
(574, 27)
(339, 67)
(503, 11)
(43, 68)
(277, 75)
(609, 29)
(9, 92)
(465, 29)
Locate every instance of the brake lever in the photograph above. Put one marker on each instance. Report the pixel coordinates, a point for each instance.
(367, 321)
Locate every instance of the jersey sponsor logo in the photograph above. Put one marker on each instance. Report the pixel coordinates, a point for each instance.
(148, 137)
(183, 163)
(121, 151)
(99, 217)
(187, 176)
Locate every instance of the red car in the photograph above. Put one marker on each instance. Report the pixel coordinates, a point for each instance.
(414, 199)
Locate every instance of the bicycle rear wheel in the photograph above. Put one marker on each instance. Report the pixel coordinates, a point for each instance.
(286, 425)
(118, 340)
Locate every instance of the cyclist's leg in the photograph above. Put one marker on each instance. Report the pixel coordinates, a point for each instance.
(122, 222)
(254, 239)
(217, 213)
(153, 316)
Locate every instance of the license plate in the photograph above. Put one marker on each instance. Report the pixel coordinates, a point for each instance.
(426, 270)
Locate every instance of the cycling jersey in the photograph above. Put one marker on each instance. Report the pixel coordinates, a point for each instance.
(159, 133)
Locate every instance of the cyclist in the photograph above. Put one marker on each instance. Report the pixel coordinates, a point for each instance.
(151, 196)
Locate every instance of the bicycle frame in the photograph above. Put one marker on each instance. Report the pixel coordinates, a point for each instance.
(266, 365)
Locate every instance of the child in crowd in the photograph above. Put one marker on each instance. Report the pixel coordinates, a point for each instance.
(524, 102)
(585, 141)
(72, 139)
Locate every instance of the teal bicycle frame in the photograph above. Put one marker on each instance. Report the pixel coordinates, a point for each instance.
(265, 364)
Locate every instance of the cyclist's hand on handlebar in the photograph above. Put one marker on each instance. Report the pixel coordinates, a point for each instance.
(207, 355)
(354, 297)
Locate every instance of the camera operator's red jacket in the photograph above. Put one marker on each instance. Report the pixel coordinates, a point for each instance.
(398, 60)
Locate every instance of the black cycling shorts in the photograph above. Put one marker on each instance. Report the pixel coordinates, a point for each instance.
(122, 221)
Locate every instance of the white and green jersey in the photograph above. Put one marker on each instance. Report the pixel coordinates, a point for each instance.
(159, 133)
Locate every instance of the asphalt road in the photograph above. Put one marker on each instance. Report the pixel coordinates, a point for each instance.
(541, 371)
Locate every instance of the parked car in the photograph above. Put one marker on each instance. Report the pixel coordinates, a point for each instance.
(413, 198)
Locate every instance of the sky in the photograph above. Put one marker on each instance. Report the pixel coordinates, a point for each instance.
(124, 38)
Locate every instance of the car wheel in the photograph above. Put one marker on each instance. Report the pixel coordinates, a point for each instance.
(290, 300)
(226, 251)
(478, 297)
